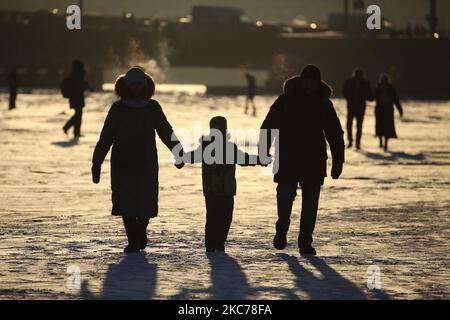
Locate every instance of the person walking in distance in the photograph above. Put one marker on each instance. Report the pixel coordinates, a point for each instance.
(251, 92)
(73, 88)
(386, 97)
(357, 91)
(13, 87)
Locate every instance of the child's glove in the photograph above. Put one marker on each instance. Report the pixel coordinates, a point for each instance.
(336, 171)
(96, 171)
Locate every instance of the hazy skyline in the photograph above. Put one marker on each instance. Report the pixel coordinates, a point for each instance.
(399, 11)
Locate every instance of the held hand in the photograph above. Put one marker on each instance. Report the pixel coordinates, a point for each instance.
(96, 171)
(336, 171)
(268, 160)
(179, 165)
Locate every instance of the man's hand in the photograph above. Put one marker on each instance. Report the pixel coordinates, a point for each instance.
(336, 171)
(96, 171)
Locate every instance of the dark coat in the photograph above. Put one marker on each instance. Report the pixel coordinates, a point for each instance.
(251, 86)
(384, 111)
(357, 92)
(304, 122)
(76, 87)
(13, 82)
(219, 178)
(134, 158)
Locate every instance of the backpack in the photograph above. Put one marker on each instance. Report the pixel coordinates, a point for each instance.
(65, 88)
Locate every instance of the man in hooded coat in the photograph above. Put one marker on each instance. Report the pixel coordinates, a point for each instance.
(305, 118)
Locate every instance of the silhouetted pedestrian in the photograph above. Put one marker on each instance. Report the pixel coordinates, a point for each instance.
(305, 117)
(130, 129)
(219, 180)
(386, 97)
(357, 91)
(251, 92)
(409, 30)
(73, 88)
(13, 87)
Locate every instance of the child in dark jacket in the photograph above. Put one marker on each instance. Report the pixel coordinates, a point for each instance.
(219, 157)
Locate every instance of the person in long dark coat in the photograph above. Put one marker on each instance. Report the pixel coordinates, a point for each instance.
(306, 119)
(386, 97)
(130, 129)
(75, 85)
(13, 87)
(357, 91)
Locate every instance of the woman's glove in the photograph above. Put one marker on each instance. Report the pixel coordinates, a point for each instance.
(266, 160)
(96, 171)
(179, 162)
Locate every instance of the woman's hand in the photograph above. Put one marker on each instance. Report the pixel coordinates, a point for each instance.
(267, 160)
(179, 165)
(96, 171)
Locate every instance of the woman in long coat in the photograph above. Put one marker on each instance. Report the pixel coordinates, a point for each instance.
(386, 97)
(130, 129)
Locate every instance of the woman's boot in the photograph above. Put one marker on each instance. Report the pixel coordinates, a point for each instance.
(130, 224)
(142, 224)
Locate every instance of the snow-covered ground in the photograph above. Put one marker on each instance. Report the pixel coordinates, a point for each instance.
(389, 210)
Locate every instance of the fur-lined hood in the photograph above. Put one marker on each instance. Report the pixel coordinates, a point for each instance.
(292, 86)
